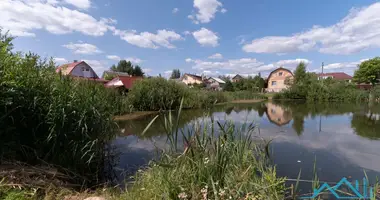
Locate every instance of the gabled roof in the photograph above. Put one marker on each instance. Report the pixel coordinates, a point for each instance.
(280, 68)
(336, 75)
(218, 80)
(126, 81)
(194, 76)
(67, 68)
(237, 76)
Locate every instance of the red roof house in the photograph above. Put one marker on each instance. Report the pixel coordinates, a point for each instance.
(336, 75)
(123, 81)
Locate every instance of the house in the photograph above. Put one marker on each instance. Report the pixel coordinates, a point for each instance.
(78, 69)
(236, 78)
(277, 114)
(124, 82)
(214, 83)
(336, 75)
(190, 79)
(277, 79)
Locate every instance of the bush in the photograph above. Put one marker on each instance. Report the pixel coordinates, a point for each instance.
(48, 118)
(156, 94)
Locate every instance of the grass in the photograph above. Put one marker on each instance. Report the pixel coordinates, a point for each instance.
(216, 161)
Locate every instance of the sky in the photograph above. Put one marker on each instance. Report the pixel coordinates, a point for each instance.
(209, 37)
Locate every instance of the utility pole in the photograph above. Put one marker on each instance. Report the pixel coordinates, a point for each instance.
(321, 77)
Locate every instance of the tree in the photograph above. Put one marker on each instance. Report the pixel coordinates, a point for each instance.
(123, 66)
(228, 86)
(137, 71)
(300, 74)
(368, 72)
(175, 74)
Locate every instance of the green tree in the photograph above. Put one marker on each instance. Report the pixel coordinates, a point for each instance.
(300, 74)
(123, 66)
(137, 71)
(368, 72)
(175, 74)
(228, 86)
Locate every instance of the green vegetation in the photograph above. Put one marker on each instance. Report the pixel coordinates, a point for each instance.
(252, 84)
(175, 74)
(162, 94)
(127, 67)
(211, 165)
(51, 119)
(307, 86)
(368, 72)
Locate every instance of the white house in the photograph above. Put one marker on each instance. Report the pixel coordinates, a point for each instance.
(190, 79)
(214, 83)
(77, 69)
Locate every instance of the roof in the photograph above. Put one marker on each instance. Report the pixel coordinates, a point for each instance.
(115, 73)
(336, 75)
(237, 76)
(126, 81)
(280, 68)
(194, 76)
(67, 68)
(218, 80)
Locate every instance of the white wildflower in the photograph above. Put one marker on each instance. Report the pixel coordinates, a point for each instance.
(222, 192)
(182, 195)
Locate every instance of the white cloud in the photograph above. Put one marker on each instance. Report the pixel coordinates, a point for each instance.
(216, 56)
(147, 70)
(168, 72)
(98, 66)
(186, 32)
(343, 65)
(206, 37)
(82, 4)
(134, 60)
(249, 66)
(206, 10)
(114, 57)
(60, 60)
(189, 60)
(223, 10)
(83, 48)
(358, 31)
(175, 10)
(23, 17)
(163, 38)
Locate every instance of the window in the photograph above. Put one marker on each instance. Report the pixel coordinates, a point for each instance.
(274, 82)
(280, 73)
(83, 69)
(87, 69)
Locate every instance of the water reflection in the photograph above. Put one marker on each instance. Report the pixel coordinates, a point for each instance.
(343, 137)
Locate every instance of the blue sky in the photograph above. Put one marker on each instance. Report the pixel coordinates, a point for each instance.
(211, 37)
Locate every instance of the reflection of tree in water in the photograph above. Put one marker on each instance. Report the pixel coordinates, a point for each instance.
(367, 122)
(229, 110)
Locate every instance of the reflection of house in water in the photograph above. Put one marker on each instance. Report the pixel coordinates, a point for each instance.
(277, 114)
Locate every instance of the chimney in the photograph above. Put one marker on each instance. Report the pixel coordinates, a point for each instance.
(75, 61)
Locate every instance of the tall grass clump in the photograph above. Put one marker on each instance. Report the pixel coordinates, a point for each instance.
(50, 119)
(216, 161)
(162, 94)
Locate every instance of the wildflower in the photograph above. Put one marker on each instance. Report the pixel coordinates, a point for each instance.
(204, 192)
(182, 195)
(207, 160)
(142, 189)
(222, 192)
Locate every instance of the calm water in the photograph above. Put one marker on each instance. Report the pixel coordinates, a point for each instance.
(344, 138)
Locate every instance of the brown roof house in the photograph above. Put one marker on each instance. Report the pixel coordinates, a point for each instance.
(190, 79)
(336, 75)
(236, 78)
(277, 79)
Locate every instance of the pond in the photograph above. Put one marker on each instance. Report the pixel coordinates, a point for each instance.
(342, 138)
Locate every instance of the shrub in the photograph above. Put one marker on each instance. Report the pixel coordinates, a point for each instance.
(48, 118)
(156, 94)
